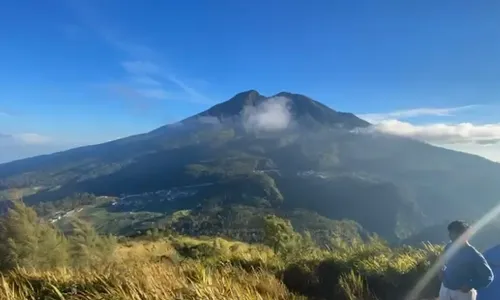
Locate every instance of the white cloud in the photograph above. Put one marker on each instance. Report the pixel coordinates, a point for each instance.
(443, 133)
(491, 151)
(33, 138)
(479, 139)
(270, 115)
(415, 112)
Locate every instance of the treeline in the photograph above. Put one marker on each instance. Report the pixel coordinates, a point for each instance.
(28, 241)
(246, 223)
(347, 270)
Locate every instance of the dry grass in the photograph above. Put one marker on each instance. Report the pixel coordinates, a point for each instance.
(234, 271)
(135, 272)
(144, 251)
(144, 281)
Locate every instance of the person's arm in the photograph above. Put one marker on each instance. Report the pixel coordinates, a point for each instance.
(483, 275)
(443, 265)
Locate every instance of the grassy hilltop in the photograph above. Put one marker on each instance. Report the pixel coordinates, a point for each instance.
(39, 262)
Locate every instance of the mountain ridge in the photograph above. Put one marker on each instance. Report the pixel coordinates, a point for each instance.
(283, 152)
(301, 106)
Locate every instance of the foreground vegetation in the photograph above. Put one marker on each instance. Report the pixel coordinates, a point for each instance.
(39, 262)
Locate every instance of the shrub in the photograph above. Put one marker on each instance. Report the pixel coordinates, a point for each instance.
(86, 247)
(198, 251)
(27, 241)
(354, 287)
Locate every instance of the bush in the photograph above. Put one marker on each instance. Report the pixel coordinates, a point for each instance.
(366, 271)
(30, 242)
(301, 278)
(27, 241)
(86, 247)
(198, 251)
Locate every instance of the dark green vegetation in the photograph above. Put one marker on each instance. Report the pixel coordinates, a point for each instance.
(221, 169)
(30, 242)
(38, 261)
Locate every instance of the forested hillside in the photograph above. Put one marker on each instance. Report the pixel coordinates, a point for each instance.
(254, 155)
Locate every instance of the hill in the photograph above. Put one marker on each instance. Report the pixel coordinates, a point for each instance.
(38, 261)
(284, 154)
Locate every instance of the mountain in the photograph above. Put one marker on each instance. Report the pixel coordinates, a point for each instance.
(301, 107)
(279, 154)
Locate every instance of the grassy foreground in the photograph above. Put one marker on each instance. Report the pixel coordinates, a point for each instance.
(186, 268)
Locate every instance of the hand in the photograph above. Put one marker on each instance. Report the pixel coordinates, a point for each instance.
(465, 289)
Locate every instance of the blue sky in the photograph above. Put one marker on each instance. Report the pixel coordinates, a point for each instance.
(77, 72)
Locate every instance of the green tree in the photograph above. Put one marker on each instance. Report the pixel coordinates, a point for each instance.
(28, 241)
(279, 233)
(86, 247)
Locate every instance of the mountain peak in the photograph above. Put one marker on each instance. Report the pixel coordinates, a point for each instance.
(234, 106)
(249, 93)
(312, 111)
(291, 95)
(302, 108)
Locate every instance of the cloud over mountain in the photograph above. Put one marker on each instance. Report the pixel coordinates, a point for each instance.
(443, 133)
(270, 115)
(477, 138)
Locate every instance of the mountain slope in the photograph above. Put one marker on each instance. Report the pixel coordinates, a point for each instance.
(283, 152)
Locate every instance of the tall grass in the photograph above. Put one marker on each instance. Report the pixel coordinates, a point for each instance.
(186, 268)
(143, 281)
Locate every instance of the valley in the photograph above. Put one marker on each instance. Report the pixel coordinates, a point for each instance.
(223, 163)
(249, 150)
